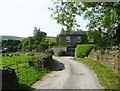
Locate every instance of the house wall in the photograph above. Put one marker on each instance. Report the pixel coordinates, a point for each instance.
(73, 40)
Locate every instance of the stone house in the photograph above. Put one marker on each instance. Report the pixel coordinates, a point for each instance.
(73, 38)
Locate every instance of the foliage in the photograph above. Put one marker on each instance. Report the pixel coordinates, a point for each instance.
(37, 42)
(49, 51)
(104, 17)
(61, 53)
(83, 50)
(11, 45)
(52, 43)
(27, 44)
(31, 54)
(106, 75)
(99, 39)
(57, 40)
(39, 35)
(65, 15)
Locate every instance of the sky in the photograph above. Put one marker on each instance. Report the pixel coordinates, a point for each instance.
(19, 17)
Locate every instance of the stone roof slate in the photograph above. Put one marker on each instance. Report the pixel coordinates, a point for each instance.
(76, 33)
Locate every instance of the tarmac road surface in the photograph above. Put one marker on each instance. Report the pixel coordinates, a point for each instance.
(69, 74)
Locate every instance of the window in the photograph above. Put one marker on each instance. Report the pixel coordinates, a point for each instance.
(91, 40)
(79, 39)
(67, 38)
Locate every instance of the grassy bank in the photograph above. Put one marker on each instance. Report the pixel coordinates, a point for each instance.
(108, 78)
(33, 74)
(56, 55)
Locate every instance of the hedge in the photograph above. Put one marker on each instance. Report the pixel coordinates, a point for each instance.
(83, 50)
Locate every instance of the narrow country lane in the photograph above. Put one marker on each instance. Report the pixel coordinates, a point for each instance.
(71, 75)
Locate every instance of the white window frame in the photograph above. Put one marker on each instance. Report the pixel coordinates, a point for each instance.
(67, 38)
(79, 39)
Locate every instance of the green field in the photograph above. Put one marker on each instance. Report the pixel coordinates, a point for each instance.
(11, 37)
(51, 38)
(7, 60)
(31, 72)
(20, 38)
(107, 77)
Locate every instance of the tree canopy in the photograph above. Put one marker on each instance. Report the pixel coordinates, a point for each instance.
(37, 42)
(104, 17)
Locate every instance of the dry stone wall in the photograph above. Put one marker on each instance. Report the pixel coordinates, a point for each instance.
(9, 79)
(107, 55)
(56, 50)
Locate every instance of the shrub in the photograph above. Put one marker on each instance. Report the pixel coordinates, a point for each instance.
(11, 55)
(83, 50)
(31, 54)
(52, 43)
(61, 53)
(31, 63)
(3, 55)
(7, 54)
(49, 51)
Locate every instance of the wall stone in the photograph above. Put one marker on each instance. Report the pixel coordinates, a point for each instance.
(107, 55)
(56, 50)
(9, 79)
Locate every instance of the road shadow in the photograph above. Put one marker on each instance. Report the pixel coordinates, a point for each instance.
(55, 65)
(52, 65)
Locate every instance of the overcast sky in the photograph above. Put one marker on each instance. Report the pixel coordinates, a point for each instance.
(19, 17)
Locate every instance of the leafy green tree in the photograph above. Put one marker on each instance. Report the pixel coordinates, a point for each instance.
(104, 17)
(39, 35)
(57, 40)
(11, 45)
(64, 13)
(52, 43)
(37, 42)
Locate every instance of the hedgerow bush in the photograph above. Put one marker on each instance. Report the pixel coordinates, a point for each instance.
(83, 50)
(61, 53)
(31, 54)
(49, 51)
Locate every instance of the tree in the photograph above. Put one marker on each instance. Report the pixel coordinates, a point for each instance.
(64, 13)
(39, 35)
(37, 42)
(27, 44)
(11, 45)
(104, 17)
(57, 40)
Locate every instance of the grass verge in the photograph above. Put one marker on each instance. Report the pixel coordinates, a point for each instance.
(57, 55)
(30, 73)
(26, 83)
(108, 78)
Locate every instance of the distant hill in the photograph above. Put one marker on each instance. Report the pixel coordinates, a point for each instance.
(19, 38)
(11, 37)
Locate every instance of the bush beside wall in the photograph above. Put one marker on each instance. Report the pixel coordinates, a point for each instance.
(83, 50)
(61, 53)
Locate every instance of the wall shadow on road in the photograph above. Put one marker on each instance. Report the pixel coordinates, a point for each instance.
(55, 65)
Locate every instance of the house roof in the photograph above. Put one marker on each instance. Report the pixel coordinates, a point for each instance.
(75, 33)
